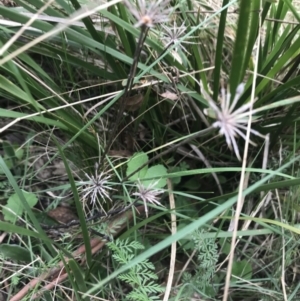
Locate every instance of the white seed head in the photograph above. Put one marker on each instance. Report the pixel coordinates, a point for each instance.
(148, 194)
(149, 12)
(232, 122)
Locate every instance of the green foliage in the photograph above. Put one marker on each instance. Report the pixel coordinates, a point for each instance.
(141, 277)
(183, 166)
(137, 160)
(241, 269)
(14, 207)
(156, 171)
(12, 155)
(15, 253)
(207, 258)
(4, 190)
(206, 279)
(15, 280)
(64, 76)
(77, 274)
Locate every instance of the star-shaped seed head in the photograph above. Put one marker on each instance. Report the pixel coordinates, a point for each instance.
(148, 12)
(148, 194)
(231, 122)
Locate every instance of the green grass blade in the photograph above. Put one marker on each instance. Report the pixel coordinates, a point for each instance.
(219, 50)
(182, 233)
(78, 204)
(241, 46)
(126, 39)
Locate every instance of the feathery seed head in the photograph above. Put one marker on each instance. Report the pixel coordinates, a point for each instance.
(96, 186)
(148, 194)
(149, 13)
(231, 122)
(172, 36)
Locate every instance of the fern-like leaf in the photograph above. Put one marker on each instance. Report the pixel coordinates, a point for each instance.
(141, 277)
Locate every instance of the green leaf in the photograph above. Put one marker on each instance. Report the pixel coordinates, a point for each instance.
(156, 171)
(14, 90)
(175, 181)
(14, 205)
(219, 50)
(19, 153)
(241, 46)
(78, 205)
(10, 228)
(15, 280)
(42, 119)
(12, 211)
(77, 274)
(241, 269)
(30, 198)
(226, 247)
(15, 253)
(8, 149)
(137, 160)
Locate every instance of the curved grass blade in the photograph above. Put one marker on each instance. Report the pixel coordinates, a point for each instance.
(78, 205)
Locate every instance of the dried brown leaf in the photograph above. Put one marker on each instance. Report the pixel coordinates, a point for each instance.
(169, 95)
(133, 103)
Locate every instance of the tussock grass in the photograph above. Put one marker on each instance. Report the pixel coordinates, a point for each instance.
(149, 150)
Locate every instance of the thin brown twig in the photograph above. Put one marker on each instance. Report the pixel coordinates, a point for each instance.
(128, 87)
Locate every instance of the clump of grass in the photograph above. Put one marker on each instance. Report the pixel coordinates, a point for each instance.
(71, 77)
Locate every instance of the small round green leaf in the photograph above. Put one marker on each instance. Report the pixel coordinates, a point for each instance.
(13, 209)
(30, 198)
(14, 205)
(155, 171)
(137, 160)
(241, 269)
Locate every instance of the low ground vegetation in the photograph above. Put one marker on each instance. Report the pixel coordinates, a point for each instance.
(149, 150)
